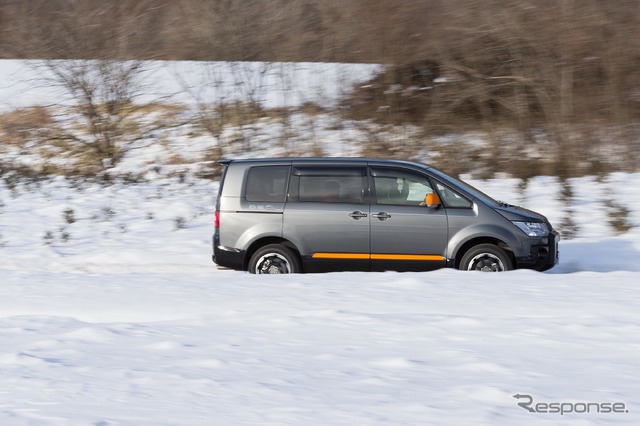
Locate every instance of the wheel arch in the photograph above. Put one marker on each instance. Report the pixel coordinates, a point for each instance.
(261, 242)
(467, 245)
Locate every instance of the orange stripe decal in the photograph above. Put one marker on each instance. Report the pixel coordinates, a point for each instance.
(375, 256)
(406, 257)
(340, 256)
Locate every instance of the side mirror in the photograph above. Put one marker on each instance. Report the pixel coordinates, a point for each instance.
(432, 201)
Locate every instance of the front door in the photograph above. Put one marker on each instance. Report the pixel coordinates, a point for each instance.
(405, 234)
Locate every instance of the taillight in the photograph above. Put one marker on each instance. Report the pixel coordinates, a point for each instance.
(217, 225)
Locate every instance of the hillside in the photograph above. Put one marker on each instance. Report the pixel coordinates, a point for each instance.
(557, 77)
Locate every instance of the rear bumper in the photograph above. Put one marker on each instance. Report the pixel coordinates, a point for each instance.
(225, 257)
(544, 254)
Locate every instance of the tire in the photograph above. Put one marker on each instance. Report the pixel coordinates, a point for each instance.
(274, 259)
(486, 258)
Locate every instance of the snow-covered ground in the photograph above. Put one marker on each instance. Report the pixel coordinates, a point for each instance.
(111, 313)
(153, 348)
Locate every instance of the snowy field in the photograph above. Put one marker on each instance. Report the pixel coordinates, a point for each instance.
(119, 318)
(111, 313)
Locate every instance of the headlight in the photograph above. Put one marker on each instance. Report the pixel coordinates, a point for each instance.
(533, 229)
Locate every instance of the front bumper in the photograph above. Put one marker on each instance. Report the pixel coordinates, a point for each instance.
(544, 253)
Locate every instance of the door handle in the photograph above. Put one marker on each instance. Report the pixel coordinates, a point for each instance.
(381, 215)
(357, 215)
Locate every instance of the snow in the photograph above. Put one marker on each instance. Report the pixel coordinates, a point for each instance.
(28, 82)
(229, 348)
(111, 313)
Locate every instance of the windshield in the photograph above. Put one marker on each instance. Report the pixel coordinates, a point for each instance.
(457, 183)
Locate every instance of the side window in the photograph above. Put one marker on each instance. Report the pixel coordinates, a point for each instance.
(267, 184)
(451, 198)
(400, 187)
(330, 185)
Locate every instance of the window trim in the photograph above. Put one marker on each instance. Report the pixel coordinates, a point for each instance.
(329, 170)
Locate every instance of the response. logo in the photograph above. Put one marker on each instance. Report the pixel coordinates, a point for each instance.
(526, 401)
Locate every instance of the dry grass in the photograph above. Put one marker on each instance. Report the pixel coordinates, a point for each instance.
(21, 125)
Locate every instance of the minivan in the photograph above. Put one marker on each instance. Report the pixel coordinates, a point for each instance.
(294, 215)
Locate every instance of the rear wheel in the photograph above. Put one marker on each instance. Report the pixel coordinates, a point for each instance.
(486, 258)
(274, 259)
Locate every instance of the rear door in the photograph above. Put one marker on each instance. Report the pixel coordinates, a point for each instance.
(405, 234)
(327, 216)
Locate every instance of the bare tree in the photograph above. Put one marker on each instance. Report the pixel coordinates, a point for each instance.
(229, 94)
(103, 92)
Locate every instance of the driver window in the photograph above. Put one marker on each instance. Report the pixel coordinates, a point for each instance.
(399, 187)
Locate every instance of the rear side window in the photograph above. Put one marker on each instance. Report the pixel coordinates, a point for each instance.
(331, 185)
(267, 184)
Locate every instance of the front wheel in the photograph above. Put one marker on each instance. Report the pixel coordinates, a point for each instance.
(274, 259)
(486, 258)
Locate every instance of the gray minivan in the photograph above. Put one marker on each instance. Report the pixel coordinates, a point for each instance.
(292, 215)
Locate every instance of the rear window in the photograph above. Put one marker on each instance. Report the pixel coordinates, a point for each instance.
(267, 184)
